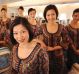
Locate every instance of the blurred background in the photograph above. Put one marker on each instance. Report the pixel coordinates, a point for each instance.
(65, 7)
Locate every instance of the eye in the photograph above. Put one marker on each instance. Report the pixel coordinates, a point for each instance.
(15, 33)
(48, 14)
(23, 31)
(53, 14)
(75, 15)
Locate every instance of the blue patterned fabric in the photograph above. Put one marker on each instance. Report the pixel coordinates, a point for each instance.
(4, 58)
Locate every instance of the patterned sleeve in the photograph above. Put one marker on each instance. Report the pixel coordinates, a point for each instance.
(9, 22)
(65, 38)
(11, 71)
(71, 45)
(40, 35)
(10, 62)
(43, 62)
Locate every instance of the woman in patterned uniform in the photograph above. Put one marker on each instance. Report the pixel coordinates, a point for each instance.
(35, 24)
(27, 56)
(4, 42)
(56, 40)
(4, 23)
(73, 32)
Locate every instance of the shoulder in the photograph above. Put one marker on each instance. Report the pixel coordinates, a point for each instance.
(14, 48)
(39, 46)
(0, 19)
(63, 29)
(43, 26)
(42, 50)
(61, 26)
(68, 27)
(8, 19)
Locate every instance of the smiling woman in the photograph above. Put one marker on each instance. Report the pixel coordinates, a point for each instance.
(56, 40)
(28, 57)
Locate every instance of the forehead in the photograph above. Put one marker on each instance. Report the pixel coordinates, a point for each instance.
(19, 27)
(51, 11)
(77, 13)
(33, 11)
(3, 11)
(20, 10)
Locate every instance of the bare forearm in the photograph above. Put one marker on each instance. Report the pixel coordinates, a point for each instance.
(2, 42)
(54, 48)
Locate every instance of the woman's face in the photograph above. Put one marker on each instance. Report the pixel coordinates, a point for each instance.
(20, 12)
(76, 17)
(3, 13)
(32, 14)
(51, 15)
(20, 34)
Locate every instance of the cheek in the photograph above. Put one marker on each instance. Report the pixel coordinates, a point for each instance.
(27, 35)
(47, 17)
(15, 37)
(78, 17)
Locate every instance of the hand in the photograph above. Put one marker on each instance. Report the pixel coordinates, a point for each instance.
(77, 51)
(76, 66)
(41, 42)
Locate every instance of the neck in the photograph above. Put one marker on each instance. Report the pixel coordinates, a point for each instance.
(50, 23)
(74, 22)
(27, 44)
(21, 15)
(32, 19)
(23, 44)
(4, 17)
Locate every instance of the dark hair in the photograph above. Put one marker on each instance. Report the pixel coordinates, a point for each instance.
(31, 9)
(76, 11)
(3, 9)
(25, 23)
(21, 7)
(49, 7)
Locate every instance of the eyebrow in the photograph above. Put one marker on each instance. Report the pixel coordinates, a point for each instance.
(20, 30)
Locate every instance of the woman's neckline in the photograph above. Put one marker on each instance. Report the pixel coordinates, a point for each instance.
(54, 32)
(73, 27)
(29, 54)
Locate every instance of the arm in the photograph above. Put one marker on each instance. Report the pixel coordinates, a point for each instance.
(43, 62)
(2, 42)
(54, 48)
(65, 38)
(11, 70)
(10, 62)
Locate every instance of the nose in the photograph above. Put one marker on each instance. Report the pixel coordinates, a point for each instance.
(50, 16)
(19, 35)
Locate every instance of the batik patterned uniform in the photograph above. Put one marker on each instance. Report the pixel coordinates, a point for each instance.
(73, 57)
(36, 63)
(3, 30)
(56, 58)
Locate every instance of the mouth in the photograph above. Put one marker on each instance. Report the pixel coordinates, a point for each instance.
(22, 40)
